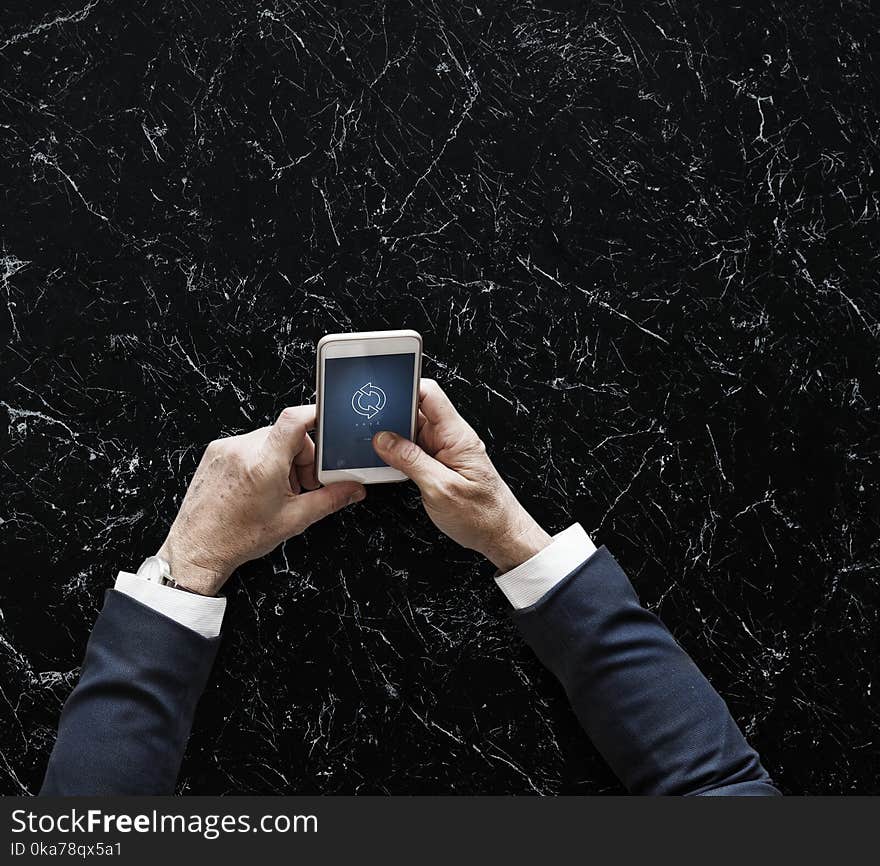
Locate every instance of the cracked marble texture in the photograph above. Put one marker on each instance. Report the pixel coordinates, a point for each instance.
(641, 243)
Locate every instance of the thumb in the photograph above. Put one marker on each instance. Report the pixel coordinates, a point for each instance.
(405, 456)
(308, 508)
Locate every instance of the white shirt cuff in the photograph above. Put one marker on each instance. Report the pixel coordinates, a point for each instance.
(526, 583)
(200, 613)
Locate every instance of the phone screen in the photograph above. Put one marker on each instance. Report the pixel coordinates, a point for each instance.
(362, 395)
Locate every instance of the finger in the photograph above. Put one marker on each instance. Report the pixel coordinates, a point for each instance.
(421, 421)
(286, 437)
(304, 466)
(408, 458)
(310, 507)
(434, 404)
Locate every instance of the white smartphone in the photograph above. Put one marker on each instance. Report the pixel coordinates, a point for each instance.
(365, 383)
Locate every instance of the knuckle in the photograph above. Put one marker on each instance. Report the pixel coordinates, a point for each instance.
(217, 452)
(339, 500)
(408, 452)
(288, 415)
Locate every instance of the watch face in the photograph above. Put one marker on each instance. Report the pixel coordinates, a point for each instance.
(152, 569)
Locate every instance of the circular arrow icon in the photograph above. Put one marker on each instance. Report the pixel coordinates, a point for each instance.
(368, 400)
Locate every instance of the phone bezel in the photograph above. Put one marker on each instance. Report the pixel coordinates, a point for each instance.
(364, 344)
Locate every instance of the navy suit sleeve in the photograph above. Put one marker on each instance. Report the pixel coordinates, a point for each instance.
(124, 727)
(645, 705)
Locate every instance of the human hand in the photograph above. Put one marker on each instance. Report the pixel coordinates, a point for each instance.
(246, 497)
(462, 491)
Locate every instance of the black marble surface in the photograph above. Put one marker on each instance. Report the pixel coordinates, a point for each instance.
(641, 242)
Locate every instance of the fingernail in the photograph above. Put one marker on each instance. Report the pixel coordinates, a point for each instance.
(384, 439)
(357, 496)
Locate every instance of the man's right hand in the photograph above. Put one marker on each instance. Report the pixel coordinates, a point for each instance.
(462, 491)
(250, 493)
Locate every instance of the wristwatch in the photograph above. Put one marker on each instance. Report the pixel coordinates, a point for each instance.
(157, 570)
